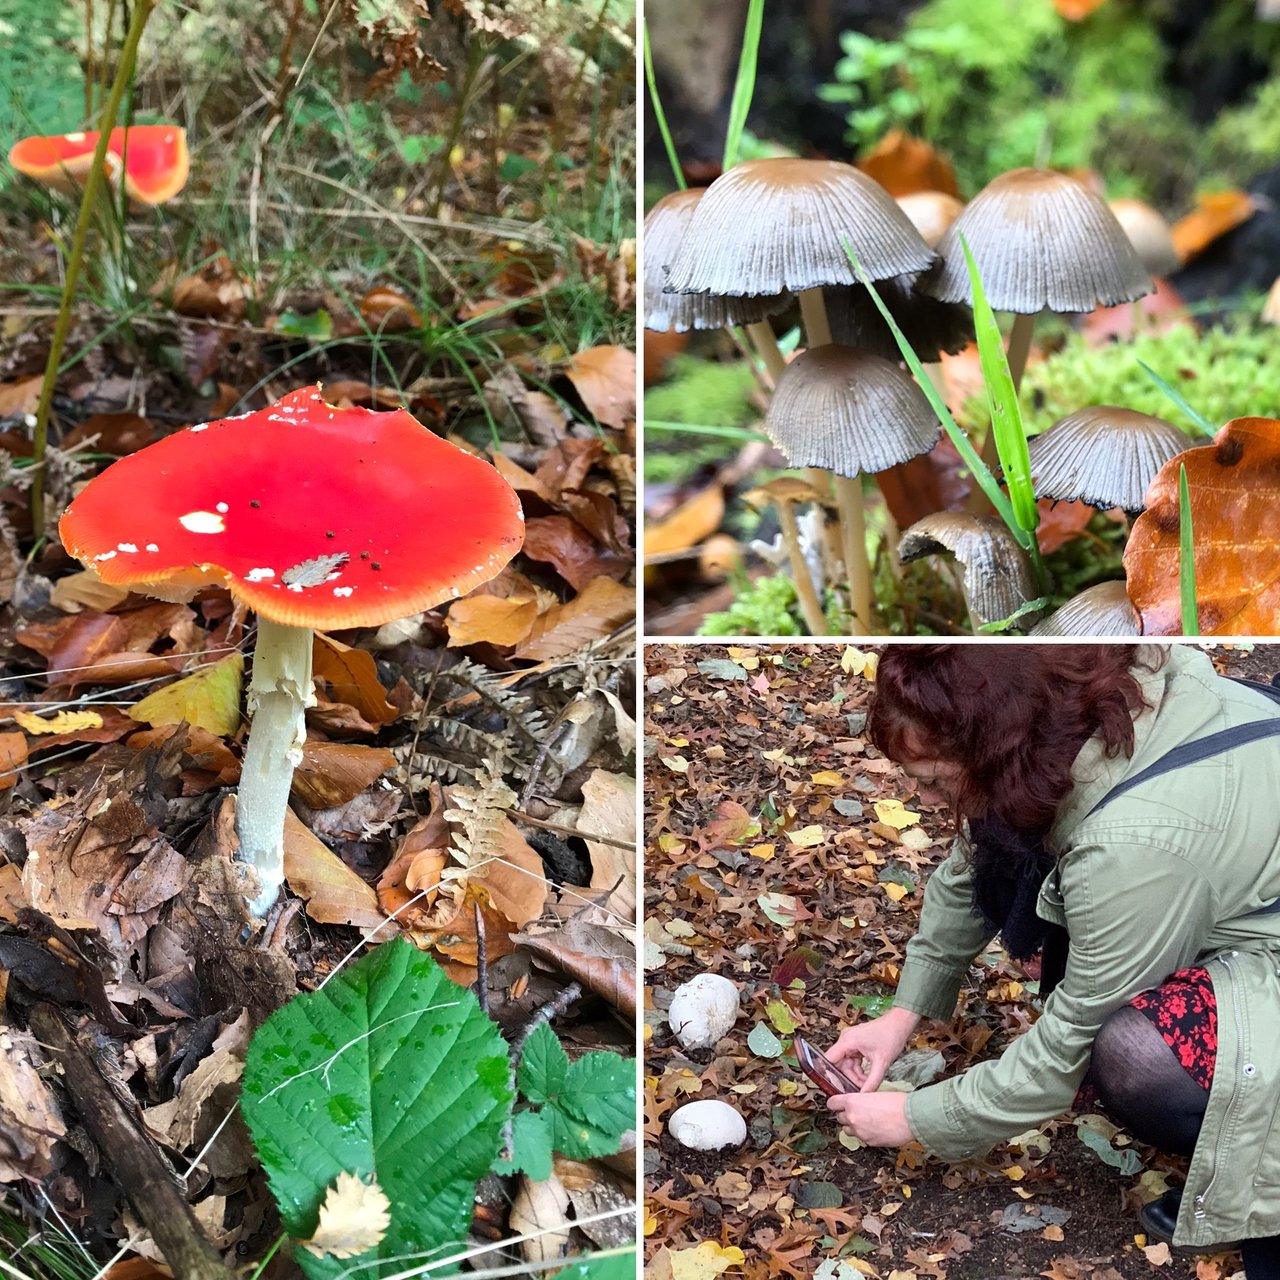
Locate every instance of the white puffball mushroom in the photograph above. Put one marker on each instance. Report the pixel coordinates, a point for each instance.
(707, 1125)
(703, 1010)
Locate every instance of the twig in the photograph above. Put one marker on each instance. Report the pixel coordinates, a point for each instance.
(544, 1014)
(589, 836)
(481, 986)
(141, 1172)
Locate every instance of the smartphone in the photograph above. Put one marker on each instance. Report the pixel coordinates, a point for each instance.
(821, 1070)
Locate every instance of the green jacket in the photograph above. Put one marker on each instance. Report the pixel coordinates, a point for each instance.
(1165, 876)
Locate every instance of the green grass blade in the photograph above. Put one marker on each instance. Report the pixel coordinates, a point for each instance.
(744, 87)
(740, 435)
(659, 115)
(1186, 558)
(1177, 397)
(977, 468)
(1002, 400)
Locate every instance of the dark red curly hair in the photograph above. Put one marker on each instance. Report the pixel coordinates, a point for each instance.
(1013, 716)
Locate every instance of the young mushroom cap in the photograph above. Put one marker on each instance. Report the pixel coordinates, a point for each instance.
(313, 516)
(664, 227)
(1041, 239)
(772, 226)
(1104, 610)
(849, 412)
(154, 158)
(931, 213)
(1105, 455)
(1149, 234)
(930, 326)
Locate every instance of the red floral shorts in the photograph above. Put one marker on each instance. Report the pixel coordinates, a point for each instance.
(1183, 1010)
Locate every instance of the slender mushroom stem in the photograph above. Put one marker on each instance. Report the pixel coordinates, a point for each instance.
(810, 605)
(849, 505)
(765, 342)
(279, 694)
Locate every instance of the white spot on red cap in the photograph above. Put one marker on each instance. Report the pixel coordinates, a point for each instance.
(107, 555)
(74, 137)
(222, 506)
(127, 546)
(204, 426)
(259, 575)
(343, 591)
(153, 546)
(202, 522)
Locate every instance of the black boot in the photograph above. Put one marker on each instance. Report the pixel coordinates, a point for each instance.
(1159, 1218)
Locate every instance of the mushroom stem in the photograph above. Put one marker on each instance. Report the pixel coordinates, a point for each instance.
(810, 605)
(853, 521)
(1020, 347)
(765, 342)
(853, 531)
(279, 694)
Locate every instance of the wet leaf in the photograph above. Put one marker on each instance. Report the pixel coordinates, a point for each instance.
(690, 523)
(903, 165)
(1214, 215)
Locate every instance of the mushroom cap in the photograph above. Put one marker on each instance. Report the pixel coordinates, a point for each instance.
(311, 515)
(1149, 234)
(154, 158)
(931, 213)
(1040, 239)
(930, 326)
(1105, 455)
(998, 578)
(849, 412)
(664, 226)
(771, 226)
(1104, 610)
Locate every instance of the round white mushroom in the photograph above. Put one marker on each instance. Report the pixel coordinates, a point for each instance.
(707, 1125)
(703, 1010)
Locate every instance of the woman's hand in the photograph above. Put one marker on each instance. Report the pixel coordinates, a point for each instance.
(864, 1052)
(879, 1119)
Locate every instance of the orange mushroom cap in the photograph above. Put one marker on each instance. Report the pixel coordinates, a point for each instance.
(153, 156)
(312, 515)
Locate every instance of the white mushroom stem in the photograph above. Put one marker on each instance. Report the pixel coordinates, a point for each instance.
(279, 695)
(853, 520)
(810, 605)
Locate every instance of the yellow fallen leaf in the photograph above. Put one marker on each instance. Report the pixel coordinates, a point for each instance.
(61, 722)
(354, 1217)
(762, 851)
(859, 663)
(1052, 1232)
(807, 837)
(704, 1261)
(1015, 1173)
(677, 764)
(826, 778)
(747, 659)
(779, 755)
(650, 1222)
(893, 813)
(209, 699)
(896, 891)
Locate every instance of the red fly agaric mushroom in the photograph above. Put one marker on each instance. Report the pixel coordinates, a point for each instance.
(314, 517)
(153, 158)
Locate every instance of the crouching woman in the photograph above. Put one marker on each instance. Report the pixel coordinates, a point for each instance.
(1120, 817)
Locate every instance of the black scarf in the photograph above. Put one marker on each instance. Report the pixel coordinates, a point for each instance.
(1008, 868)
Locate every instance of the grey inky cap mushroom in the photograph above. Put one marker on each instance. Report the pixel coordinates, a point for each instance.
(1105, 455)
(849, 412)
(1104, 610)
(1041, 240)
(771, 226)
(664, 227)
(930, 326)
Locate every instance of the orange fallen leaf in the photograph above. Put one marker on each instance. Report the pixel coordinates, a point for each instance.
(388, 310)
(334, 893)
(331, 773)
(487, 619)
(577, 556)
(1214, 215)
(352, 676)
(13, 758)
(903, 165)
(1234, 486)
(566, 628)
(692, 521)
(1060, 522)
(605, 378)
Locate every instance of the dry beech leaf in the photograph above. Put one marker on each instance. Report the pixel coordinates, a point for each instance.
(208, 699)
(352, 676)
(334, 893)
(605, 378)
(59, 722)
(32, 1123)
(486, 619)
(19, 399)
(13, 758)
(1234, 485)
(566, 628)
(577, 557)
(388, 310)
(903, 165)
(85, 590)
(1214, 215)
(354, 1217)
(331, 773)
(689, 524)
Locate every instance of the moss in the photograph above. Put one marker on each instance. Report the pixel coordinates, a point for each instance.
(1222, 374)
(765, 607)
(703, 392)
(1246, 139)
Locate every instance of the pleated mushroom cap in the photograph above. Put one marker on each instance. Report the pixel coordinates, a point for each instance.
(664, 227)
(1104, 610)
(1105, 455)
(1041, 240)
(931, 327)
(849, 412)
(1149, 234)
(931, 213)
(772, 226)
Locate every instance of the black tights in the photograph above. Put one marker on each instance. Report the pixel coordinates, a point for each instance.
(1142, 1084)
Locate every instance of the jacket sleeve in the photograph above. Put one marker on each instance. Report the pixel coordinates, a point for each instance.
(950, 935)
(1135, 914)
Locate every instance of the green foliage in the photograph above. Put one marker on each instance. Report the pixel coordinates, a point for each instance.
(580, 1109)
(1225, 373)
(390, 1070)
(1244, 140)
(996, 84)
(765, 607)
(703, 391)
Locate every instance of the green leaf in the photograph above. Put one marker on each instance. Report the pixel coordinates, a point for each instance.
(608, 1264)
(744, 85)
(577, 1138)
(318, 325)
(1125, 1159)
(543, 1066)
(390, 1069)
(531, 1146)
(1186, 558)
(763, 1043)
(601, 1089)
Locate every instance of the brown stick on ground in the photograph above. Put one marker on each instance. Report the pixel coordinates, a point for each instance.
(141, 1172)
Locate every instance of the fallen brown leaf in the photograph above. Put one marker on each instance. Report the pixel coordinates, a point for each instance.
(352, 676)
(605, 378)
(331, 773)
(566, 628)
(333, 892)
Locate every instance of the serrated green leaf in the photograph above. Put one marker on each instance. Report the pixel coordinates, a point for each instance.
(608, 1264)
(578, 1138)
(544, 1066)
(601, 1089)
(531, 1143)
(390, 1069)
